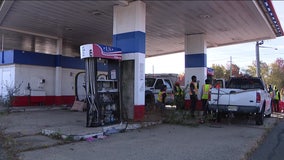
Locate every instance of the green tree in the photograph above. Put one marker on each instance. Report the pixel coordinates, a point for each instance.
(251, 70)
(264, 70)
(219, 71)
(222, 72)
(277, 73)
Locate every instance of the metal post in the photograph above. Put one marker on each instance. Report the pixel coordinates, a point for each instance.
(257, 57)
(231, 66)
(2, 43)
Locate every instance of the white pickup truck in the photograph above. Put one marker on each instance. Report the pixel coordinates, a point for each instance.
(242, 95)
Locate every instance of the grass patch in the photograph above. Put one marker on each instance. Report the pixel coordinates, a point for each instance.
(180, 117)
(8, 147)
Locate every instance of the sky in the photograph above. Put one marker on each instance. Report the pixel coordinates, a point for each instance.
(242, 55)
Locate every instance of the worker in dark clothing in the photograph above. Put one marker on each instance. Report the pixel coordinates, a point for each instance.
(270, 91)
(193, 92)
(161, 101)
(178, 96)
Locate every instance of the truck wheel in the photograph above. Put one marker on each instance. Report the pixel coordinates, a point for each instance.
(259, 117)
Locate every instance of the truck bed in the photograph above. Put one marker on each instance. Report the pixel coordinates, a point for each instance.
(236, 97)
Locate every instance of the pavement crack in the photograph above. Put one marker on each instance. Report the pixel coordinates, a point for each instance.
(44, 146)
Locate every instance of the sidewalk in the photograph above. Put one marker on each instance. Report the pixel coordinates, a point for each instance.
(59, 121)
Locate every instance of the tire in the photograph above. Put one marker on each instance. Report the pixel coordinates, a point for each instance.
(259, 117)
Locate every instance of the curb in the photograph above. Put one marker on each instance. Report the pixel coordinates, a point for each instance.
(106, 131)
(41, 108)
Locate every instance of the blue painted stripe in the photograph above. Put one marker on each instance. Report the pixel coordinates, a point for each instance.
(57, 59)
(41, 59)
(195, 60)
(30, 58)
(130, 42)
(71, 62)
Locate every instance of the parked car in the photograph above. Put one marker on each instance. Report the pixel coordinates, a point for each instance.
(242, 95)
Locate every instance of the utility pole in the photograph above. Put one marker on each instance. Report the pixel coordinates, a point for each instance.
(258, 43)
(230, 66)
(257, 46)
(2, 43)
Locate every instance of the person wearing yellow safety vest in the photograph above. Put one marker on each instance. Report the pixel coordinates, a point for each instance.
(276, 99)
(162, 98)
(193, 92)
(178, 96)
(205, 95)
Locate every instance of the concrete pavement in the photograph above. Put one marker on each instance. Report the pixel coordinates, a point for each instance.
(29, 130)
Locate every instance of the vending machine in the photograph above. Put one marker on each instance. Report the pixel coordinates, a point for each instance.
(102, 84)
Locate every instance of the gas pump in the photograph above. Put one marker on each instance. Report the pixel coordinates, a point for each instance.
(102, 84)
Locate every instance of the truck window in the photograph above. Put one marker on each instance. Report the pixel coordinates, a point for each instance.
(168, 83)
(218, 82)
(244, 83)
(159, 84)
(149, 82)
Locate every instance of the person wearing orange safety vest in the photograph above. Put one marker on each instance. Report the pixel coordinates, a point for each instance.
(193, 92)
(162, 98)
(205, 95)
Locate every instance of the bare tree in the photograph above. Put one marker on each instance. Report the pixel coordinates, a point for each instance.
(12, 90)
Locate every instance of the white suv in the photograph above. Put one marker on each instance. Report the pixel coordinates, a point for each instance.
(153, 86)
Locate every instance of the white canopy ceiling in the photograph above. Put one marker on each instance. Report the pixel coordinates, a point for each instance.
(167, 22)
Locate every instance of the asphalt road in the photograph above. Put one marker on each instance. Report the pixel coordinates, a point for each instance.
(227, 141)
(162, 142)
(273, 145)
(2, 154)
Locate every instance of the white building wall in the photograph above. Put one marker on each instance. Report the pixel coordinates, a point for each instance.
(42, 80)
(7, 78)
(68, 81)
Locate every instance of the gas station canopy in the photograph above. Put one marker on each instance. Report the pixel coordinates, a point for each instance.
(167, 22)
